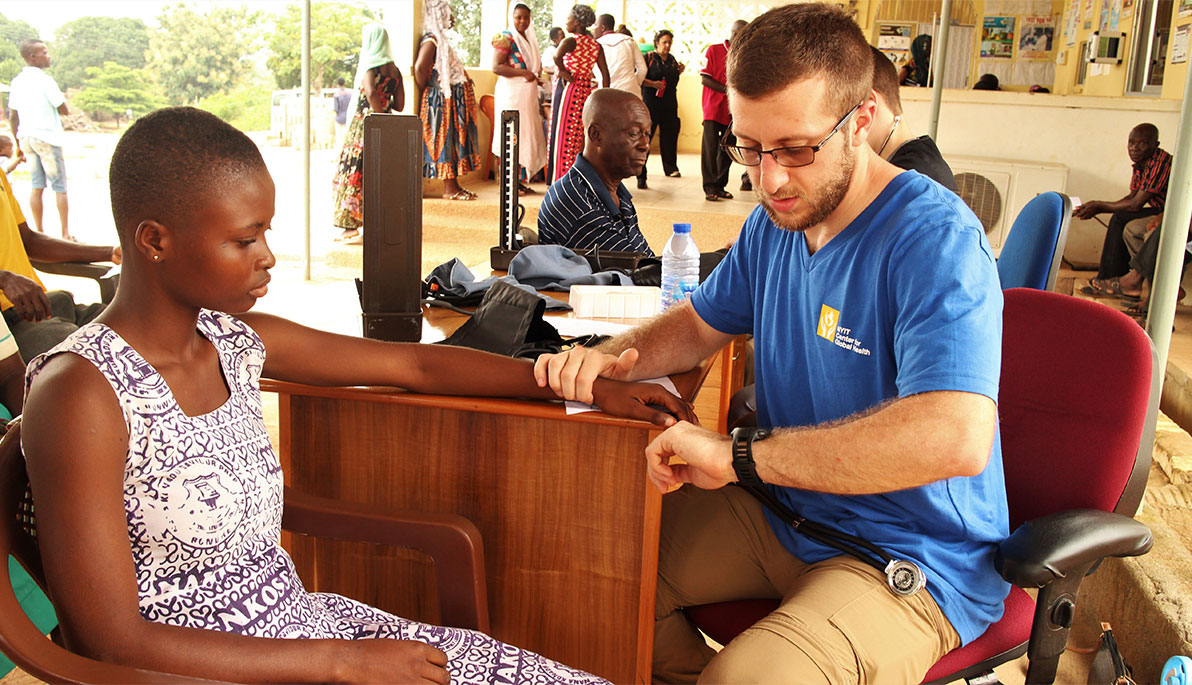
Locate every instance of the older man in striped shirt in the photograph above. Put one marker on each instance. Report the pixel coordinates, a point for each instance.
(589, 207)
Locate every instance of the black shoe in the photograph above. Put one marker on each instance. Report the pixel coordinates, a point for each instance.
(641, 184)
(674, 174)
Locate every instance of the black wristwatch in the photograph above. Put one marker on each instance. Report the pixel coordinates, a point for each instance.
(743, 439)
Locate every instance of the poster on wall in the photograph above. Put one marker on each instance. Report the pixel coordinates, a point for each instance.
(997, 38)
(894, 40)
(1115, 14)
(1103, 16)
(1070, 26)
(1086, 14)
(1035, 38)
(1179, 44)
(1185, 8)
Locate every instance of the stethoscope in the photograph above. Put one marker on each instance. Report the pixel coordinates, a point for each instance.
(904, 578)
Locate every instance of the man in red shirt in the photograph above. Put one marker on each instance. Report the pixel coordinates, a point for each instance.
(714, 161)
(1148, 195)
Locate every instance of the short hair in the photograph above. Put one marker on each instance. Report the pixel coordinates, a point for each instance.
(584, 15)
(173, 160)
(555, 32)
(801, 41)
(606, 21)
(339, 81)
(1149, 130)
(5, 139)
(885, 81)
(661, 33)
(27, 46)
(624, 30)
(987, 82)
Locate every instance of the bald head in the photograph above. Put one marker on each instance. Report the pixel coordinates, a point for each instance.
(736, 28)
(617, 129)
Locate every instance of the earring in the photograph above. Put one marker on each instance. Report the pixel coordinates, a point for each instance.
(156, 257)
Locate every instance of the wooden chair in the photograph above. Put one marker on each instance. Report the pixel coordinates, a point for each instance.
(452, 541)
(486, 155)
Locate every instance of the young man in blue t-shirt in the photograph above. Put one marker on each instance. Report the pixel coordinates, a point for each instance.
(875, 305)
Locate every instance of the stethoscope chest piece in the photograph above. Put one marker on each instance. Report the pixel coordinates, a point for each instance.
(904, 578)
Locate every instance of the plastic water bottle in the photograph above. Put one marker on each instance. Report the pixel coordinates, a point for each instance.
(680, 267)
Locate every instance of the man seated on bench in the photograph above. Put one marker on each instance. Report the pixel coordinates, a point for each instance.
(39, 320)
(589, 207)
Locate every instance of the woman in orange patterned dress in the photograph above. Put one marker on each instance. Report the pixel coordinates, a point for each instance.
(575, 59)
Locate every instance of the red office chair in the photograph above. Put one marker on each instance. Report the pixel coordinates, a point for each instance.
(1077, 405)
(452, 541)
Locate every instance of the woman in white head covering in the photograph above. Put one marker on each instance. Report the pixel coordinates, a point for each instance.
(378, 88)
(448, 108)
(517, 64)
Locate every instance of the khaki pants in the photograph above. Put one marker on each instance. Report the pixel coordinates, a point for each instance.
(837, 623)
(1135, 234)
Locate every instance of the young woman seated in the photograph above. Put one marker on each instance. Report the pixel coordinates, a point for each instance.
(158, 494)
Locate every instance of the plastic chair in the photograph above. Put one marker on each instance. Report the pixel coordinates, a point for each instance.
(1076, 449)
(1031, 255)
(452, 541)
(96, 272)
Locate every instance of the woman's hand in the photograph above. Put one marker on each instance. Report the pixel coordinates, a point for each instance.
(393, 661)
(530, 76)
(565, 75)
(645, 401)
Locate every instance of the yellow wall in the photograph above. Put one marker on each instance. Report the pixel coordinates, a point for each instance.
(1175, 74)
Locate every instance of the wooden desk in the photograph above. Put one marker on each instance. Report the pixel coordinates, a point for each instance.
(569, 520)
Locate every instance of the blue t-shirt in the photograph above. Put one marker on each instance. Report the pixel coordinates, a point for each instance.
(905, 300)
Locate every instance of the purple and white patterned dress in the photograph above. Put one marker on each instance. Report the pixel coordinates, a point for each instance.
(203, 498)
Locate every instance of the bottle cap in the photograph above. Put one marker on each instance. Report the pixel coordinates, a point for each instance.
(682, 228)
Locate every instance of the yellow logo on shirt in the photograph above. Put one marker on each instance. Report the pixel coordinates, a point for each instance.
(829, 318)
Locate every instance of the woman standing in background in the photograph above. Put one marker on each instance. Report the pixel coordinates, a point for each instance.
(448, 108)
(658, 92)
(517, 64)
(575, 59)
(378, 88)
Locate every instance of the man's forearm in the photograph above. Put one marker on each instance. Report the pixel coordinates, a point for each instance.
(43, 248)
(671, 343)
(14, 122)
(902, 444)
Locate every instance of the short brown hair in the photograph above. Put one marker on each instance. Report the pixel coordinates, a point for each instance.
(797, 42)
(885, 81)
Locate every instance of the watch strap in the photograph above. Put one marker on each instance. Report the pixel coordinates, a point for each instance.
(743, 463)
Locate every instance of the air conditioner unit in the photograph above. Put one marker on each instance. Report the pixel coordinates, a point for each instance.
(997, 189)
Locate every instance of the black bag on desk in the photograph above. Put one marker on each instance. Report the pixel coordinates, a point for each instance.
(649, 270)
(508, 322)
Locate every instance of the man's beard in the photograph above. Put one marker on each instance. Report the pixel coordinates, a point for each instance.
(822, 204)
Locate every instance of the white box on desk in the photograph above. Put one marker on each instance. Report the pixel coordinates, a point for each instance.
(615, 301)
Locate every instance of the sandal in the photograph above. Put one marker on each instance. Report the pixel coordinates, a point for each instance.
(724, 194)
(523, 189)
(712, 197)
(347, 235)
(1137, 309)
(674, 174)
(462, 195)
(1108, 287)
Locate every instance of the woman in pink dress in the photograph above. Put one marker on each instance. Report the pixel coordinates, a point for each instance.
(575, 58)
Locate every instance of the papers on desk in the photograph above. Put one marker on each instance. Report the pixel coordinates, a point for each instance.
(579, 407)
(573, 327)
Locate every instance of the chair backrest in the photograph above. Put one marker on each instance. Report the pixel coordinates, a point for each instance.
(1077, 405)
(1032, 252)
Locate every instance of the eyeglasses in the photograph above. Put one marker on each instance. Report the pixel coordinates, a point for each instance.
(801, 155)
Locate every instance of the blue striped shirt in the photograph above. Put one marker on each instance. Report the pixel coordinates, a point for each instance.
(578, 212)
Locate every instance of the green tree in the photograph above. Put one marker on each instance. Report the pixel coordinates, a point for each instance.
(246, 108)
(114, 90)
(467, 25)
(11, 34)
(334, 38)
(195, 55)
(94, 41)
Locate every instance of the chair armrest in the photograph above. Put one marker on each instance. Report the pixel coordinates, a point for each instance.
(96, 272)
(1054, 546)
(452, 541)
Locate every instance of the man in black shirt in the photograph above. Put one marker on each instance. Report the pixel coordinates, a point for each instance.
(894, 142)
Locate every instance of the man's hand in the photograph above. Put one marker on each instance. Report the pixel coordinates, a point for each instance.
(117, 255)
(709, 458)
(639, 401)
(571, 374)
(26, 295)
(1087, 210)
